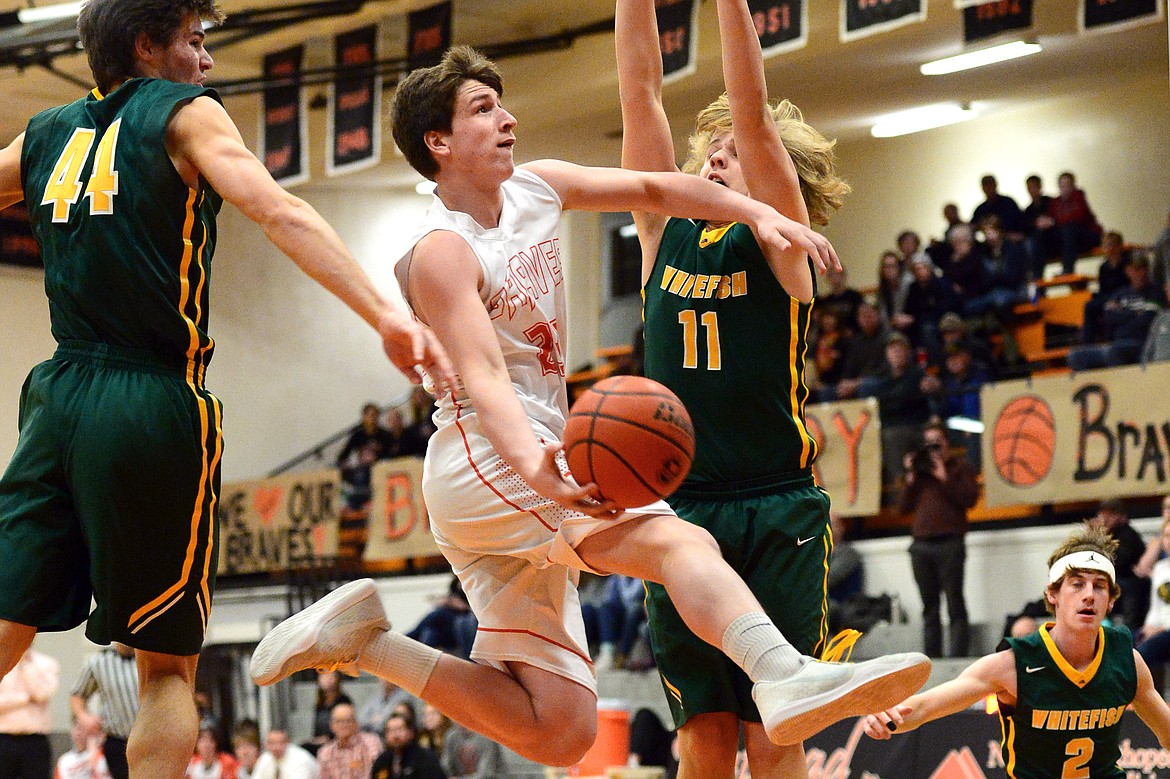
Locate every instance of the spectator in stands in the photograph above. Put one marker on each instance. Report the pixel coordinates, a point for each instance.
(25, 720)
(1157, 348)
(909, 244)
(364, 446)
(351, 753)
(1111, 276)
(865, 355)
(959, 384)
(841, 299)
(1005, 272)
(893, 283)
(450, 625)
(1154, 551)
(111, 674)
(463, 754)
(395, 434)
(964, 271)
(622, 613)
(940, 251)
(1040, 243)
(329, 696)
(246, 747)
(209, 761)
(1076, 228)
(846, 571)
(377, 708)
(650, 743)
(829, 345)
(902, 405)
(84, 761)
(940, 489)
(283, 760)
(953, 332)
(927, 299)
(1131, 607)
(1153, 640)
(1128, 314)
(421, 427)
(1160, 260)
(1011, 218)
(404, 757)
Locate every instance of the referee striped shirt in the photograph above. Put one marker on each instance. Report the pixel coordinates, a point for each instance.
(115, 679)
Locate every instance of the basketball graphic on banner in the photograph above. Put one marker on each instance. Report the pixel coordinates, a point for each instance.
(1023, 441)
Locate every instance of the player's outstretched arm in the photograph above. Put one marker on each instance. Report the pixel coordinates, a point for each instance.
(646, 140)
(987, 675)
(1149, 704)
(11, 188)
(203, 141)
(443, 288)
(677, 194)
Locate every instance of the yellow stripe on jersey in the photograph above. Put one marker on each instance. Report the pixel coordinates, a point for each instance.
(711, 236)
(1008, 742)
(1079, 678)
(796, 378)
(674, 691)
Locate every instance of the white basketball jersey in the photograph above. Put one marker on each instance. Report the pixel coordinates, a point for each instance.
(523, 292)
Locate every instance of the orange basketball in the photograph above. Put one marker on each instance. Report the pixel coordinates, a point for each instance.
(632, 438)
(1023, 441)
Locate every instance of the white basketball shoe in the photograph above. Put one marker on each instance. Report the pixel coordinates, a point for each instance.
(329, 635)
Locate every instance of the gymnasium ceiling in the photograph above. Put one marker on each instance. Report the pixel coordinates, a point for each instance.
(566, 99)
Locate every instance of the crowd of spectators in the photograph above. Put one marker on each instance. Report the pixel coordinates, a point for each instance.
(370, 441)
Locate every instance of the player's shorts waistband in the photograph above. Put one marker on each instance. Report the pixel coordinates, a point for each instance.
(749, 488)
(121, 358)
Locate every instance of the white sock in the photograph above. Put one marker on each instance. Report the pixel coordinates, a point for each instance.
(757, 646)
(396, 658)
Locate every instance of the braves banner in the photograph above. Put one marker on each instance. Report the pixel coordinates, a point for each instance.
(849, 466)
(428, 35)
(1103, 15)
(677, 37)
(995, 17)
(781, 24)
(1084, 436)
(284, 118)
(860, 18)
(354, 129)
(278, 523)
(399, 528)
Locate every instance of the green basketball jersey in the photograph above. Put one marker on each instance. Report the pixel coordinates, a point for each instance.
(722, 333)
(1067, 723)
(126, 244)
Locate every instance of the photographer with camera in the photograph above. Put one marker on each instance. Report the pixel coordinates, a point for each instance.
(939, 489)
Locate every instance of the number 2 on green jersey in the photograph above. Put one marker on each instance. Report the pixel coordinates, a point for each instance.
(65, 188)
(690, 324)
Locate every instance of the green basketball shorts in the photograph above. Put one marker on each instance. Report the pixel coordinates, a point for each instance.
(775, 534)
(111, 493)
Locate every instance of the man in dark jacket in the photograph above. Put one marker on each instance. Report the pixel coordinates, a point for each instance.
(404, 757)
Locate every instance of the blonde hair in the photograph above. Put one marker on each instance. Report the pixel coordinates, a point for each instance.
(812, 153)
(1090, 538)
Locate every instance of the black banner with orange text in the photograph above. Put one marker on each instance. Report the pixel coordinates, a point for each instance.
(782, 25)
(677, 37)
(355, 100)
(996, 17)
(428, 35)
(284, 123)
(860, 18)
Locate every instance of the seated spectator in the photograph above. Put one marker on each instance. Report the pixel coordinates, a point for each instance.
(909, 244)
(246, 748)
(1128, 314)
(651, 743)
(351, 752)
(209, 762)
(1160, 261)
(927, 299)
(1027, 620)
(964, 270)
(622, 613)
(953, 332)
(1076, 229)
(284, 760)
(84, 760)
(422, 426)
(395, 434)
(1003, 207)
(894, 280)
(960, 383)
(463, 754)
(403, 756)
(902, 408)
(329, 697)
(364, 446)
(940, 251)
(841, 299)
(830, 343)
(1005, 272)
(1157, 348)
(1111, 277)
(1041, 244)
(865, 355)
(450, 625)
(376, 709)
(1130, 609)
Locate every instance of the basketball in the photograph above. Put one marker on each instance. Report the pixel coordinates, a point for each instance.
(1023, 442)
(631, 437)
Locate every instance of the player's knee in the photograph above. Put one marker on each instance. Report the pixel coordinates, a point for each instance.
(695, 537)
(155, 667)
(565, 741)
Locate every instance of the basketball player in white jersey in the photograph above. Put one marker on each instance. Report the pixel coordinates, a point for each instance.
(485, 273)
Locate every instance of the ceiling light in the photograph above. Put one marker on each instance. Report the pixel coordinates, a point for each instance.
(977, 59)
(924, 118)
(424, 187)
(49, 13)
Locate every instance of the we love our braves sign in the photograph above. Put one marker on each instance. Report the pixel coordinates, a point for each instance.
(278, 523)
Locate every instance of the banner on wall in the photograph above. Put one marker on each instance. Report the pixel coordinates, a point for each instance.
(678, 29)
(1112, 15)
(284, 118)
(996, 17)
(849, 466)
(428, 35)
(860, 18)
(354, 127)
(1085, 436)
(782, 25)
(398, 527)
(274, 524)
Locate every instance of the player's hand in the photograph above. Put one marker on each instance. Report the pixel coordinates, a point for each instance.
(782, 233)
(884, 723)
(412, 346)
(555, 484)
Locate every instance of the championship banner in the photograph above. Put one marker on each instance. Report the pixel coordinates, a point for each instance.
(284, 119)
(1113, 15)
(678, 27)
(860, 18)
(849, 466)
(428, 35)
(399, 527)
(782, 25)
(353, 126)
(993, 18)
(1085, 436)
(17, 244)
(279, 523)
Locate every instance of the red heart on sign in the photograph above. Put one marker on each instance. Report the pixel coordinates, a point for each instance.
(266, 500)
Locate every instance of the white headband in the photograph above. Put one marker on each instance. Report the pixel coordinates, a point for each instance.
(1088, 561)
